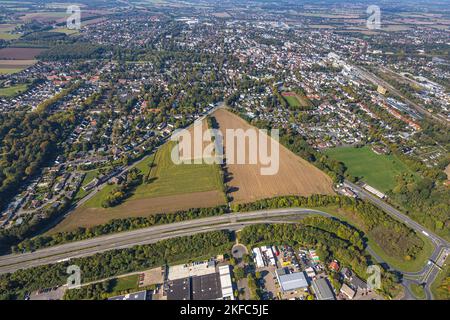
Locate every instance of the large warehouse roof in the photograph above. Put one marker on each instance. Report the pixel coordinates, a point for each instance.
(291, 281)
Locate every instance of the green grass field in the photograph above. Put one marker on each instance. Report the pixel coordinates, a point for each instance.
(166, 179)
(13, 91)
(441, 285)
(10, 70)
(8, 36)
(66, 31)
(125, 283)
(90, 175)
(417, 291)
(379, 171)
(170, 179)
(292, 101)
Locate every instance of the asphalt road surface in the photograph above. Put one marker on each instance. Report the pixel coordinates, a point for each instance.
(234, 221)
(428, 274)
(13, 262)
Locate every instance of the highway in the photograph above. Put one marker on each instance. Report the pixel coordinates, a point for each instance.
(233, 221)
(13, 262)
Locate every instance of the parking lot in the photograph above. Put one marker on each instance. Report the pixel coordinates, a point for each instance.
(55, 293)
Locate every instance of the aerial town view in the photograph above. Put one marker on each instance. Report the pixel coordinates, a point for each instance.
(233, 150)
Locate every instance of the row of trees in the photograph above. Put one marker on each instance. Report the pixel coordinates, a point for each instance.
(117, 225)
(77, 50)
(331, 239)
(28, 141)
(396, 239)
(116, 262)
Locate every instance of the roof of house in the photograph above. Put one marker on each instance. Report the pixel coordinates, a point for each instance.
(357, 283)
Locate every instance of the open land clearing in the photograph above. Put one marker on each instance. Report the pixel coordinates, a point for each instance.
(13, 90)
(5, 32)
(169, 188)
(20, 53)
(296, 100)
(379, 171)
(13, 66)
(295, 175)
(14, 60)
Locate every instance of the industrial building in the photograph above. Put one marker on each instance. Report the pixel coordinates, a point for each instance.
(322, 289)
(136, 296)
(264, 256)
(258, 258)
(211, 286)
(291, 281)
(225, 283)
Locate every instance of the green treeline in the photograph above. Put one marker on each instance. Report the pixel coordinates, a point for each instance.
(117, 225)
(49, 103)
(116, 262)
(100, 291)
(332, 240)
(28, 141)
(77, 50)
(396, 239)
(133, 178)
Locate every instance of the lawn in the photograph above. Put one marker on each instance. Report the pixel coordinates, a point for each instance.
(66, 31)
(125, 283)
(167, 179)
(90, 175)
(8, 36)
(292, 101)
(417, 291)
(441, 285)
(10, 70)
(379, 171)
(13, 90)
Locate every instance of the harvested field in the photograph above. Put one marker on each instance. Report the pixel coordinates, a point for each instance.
(295, 176)
(45, 16)
(20, 53)
(12, 66)
(89, 217)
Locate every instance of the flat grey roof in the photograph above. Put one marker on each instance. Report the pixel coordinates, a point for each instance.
(322, 289)
(141, 295)
(292, 281)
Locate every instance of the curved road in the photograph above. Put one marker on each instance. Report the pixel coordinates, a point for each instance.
(233, 221)
(437, 259)
(13, 262)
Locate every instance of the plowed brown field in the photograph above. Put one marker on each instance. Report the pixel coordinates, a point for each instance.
(295, 175)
